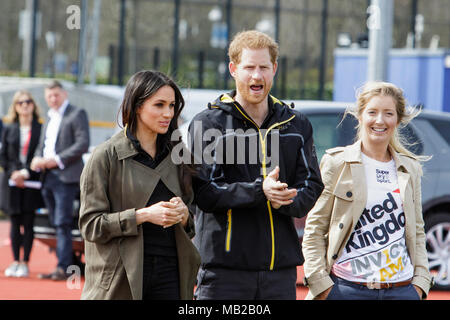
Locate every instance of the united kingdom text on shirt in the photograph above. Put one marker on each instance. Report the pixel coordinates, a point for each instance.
(376, 250)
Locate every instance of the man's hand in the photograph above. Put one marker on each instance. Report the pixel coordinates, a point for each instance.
(277, 192)
(50, 163)
(38, 164)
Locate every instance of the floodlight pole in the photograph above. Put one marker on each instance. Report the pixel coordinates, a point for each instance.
(323, 51)
(33, 13)
(176, 29)
(380, 35)
(121, 62)
(82, 45)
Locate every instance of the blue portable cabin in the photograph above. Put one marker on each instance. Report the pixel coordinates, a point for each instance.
(424, 75)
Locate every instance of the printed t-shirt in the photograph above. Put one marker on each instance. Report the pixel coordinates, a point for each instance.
(376, 250)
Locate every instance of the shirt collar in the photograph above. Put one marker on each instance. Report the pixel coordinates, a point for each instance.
(353, 154)
(60, 111)
(137, 145)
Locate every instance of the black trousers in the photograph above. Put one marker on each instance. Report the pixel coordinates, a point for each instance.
(18, 239)
(230, 284)
(161, 278)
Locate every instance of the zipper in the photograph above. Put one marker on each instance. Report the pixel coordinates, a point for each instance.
(263, 147)
(228, 235)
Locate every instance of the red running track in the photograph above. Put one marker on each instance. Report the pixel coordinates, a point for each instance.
(43, 261)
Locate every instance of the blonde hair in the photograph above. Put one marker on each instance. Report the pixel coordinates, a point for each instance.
(12, 115)
(252, 39)
(404, 114)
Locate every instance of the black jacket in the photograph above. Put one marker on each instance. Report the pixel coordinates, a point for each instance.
(15, 200)
(237, 227)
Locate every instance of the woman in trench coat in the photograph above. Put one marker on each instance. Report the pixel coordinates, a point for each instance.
(134, 216)
(364, 238)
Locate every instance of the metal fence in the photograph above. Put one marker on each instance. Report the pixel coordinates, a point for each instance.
(107, 41)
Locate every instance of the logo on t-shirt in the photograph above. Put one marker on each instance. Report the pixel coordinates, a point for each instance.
(376, 249)
(382, 176)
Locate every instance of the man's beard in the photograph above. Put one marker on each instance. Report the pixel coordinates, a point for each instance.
(246, 93)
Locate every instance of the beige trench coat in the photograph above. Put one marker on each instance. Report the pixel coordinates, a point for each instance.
(113, 187)
(333, 218)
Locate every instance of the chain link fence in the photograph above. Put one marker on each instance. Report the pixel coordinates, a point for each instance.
(188, 38)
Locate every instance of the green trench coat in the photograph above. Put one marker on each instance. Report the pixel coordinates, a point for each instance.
(113, 187)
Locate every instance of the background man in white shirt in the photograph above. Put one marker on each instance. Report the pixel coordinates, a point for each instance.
(64, 140)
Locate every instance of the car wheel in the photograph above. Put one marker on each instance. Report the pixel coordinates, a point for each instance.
(437, 228)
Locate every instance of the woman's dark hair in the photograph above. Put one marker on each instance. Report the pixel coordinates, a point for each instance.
(142, 86)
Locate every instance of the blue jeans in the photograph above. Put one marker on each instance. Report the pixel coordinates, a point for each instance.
(346, 290)
(59, 197)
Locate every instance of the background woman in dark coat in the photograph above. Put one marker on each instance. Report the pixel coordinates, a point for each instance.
(20, 137)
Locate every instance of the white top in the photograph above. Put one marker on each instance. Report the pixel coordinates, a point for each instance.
(51, 134)
(376, 250)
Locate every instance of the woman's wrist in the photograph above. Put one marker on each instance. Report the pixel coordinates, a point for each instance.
(141, 216)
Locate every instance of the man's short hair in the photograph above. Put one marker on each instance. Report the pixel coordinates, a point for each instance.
(54, 84)
(252, 39)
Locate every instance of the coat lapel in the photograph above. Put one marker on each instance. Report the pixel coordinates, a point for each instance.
(35, 134)
(403, 178)
(138, 186)
(358, 176)
(14, 137)
(167, 169)
(63, 122)
(402, 173)
(359, 191)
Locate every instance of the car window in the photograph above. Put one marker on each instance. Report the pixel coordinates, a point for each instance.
(328, 132)
(413, 143)
(443, 127)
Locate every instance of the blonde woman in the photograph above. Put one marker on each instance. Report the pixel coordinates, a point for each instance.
(19, 140)
(364, 238)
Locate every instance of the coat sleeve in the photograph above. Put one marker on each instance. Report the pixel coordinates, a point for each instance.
(422, 277)
(97, 223)
(190, 225)
(212, 192)
(307, 179)
(3, 153)
(315, 242)
(6, 162)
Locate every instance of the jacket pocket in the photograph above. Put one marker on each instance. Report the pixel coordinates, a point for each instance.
(229, 229)
(343, 200)
(344, 190)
